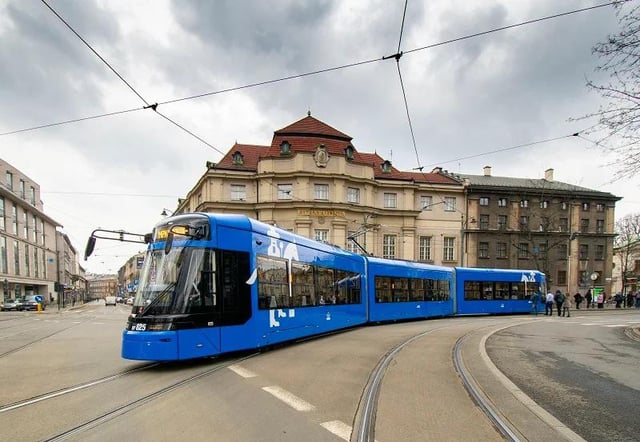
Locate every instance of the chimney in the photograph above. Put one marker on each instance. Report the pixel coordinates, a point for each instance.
(548, 174)
(487, 170)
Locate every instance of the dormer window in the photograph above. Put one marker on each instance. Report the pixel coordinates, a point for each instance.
(386, 166)
(285, 148)
(348, 152)
(238, 159)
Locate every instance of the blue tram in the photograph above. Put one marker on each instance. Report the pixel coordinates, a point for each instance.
(214, 283)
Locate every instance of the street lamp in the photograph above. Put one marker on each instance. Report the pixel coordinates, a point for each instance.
(166, 212)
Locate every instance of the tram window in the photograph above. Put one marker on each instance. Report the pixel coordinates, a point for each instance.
(325, 286)
(347, 287)
(383, 289)
(400, 289)
(416, 290)
(517, 290)
(503, 290)
(442, 290)
(273, 289)
(472, 290)
(302, 287)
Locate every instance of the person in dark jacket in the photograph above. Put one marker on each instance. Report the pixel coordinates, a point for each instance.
(578, 299)
(559, 299)
(589, 298)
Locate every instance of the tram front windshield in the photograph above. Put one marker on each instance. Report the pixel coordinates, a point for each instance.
(179, 282)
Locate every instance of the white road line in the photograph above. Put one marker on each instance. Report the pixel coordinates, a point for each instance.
(289, 399)
(242, 371)
(615, 325)
(340, 429)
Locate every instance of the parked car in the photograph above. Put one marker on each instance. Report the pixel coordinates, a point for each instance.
(110, 300)
(129, 301)
(12, 304)
(30, 303)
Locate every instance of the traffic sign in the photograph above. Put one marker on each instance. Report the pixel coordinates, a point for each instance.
(38, 298)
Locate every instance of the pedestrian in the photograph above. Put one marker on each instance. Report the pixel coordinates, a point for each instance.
(618, 299)
(535, 301)
(630, 299)
(578, 299)
(638, 299)
(559, 299)
(548, 305)
(600, 300)
(589, 298)
(566, 307)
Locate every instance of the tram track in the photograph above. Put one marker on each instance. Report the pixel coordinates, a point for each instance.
(132, 405)
(40, 339)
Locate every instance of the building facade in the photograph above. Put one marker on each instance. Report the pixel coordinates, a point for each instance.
(129, 274)
(28, 244)
(101, 286)
(312, 180)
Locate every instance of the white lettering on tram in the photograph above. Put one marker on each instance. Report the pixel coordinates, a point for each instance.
(276, 314)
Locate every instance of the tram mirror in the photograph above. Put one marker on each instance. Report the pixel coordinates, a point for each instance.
(91, 244)
(168, 243)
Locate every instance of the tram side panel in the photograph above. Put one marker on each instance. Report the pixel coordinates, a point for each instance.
(402, 290)
(298, 288)
(496, 291)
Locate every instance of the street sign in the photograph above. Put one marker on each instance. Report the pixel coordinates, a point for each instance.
(38, 298)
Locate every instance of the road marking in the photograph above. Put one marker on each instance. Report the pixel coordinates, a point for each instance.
(340, 429)
(290, 399)
(242, 371)
(616, 325)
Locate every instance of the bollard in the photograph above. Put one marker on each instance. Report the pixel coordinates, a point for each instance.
(39, 308)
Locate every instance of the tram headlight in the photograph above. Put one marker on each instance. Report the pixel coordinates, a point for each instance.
(160, 326)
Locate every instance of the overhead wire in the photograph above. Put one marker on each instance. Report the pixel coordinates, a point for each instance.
(311, 73)
(154, 106)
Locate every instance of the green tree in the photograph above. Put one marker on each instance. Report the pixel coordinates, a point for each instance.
(627, 245)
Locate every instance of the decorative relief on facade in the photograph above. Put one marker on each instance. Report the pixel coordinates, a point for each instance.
(321, 156)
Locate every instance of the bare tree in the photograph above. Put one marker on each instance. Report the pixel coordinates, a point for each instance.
(627, 244)
(618, 119)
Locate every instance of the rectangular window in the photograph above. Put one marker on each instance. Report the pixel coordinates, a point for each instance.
(285, 191)
(9, 180)
(502, 222)
(16, 258)
(599, 251)
(501, 250)
(42, 232)
(353, 195)
(3, 255)
(389, 289)
(25, 226)
(586, 207)
(524, 203)
(448, 249)
(563, 224)
(14, 216)
(425, 248)
(2, 217)
(238, 192)
(36, 263)
(35, 229)
(524, 223)
(483, 250)
(32, 195)
(584, 252)
(44, 265)
(502, 202)
(22, 190)
(426, 201)
(321, 192)
(563, 251)
(484, 222)
(544, 204)
(599, 207)
(562, 277)
(584, 225)
(523, 250)
(389, 246)
(27, 261)
(564, 205)
(600, 226)
(321, 235)
(484, 201)
(390, 200)
(273, 288)
(450, 203)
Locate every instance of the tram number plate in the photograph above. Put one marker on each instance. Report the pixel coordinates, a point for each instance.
(141, 327)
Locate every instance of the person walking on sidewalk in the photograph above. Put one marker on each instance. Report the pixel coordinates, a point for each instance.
(559, 298)
(548, 307)
(566, 306)
(589, 298)
(578, 298)
(535, 302)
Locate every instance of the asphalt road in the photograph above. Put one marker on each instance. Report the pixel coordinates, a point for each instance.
(62, 372)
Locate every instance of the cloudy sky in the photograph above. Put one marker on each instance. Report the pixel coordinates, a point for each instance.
(466, 99)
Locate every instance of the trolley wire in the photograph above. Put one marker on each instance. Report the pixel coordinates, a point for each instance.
(315, 72)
